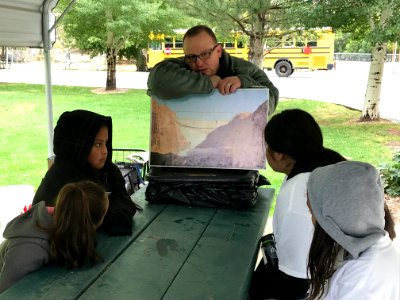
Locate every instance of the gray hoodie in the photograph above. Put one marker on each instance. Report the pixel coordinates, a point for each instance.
(27, 246)
(347, 200)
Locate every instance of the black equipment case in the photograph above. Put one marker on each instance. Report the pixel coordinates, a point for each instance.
(133, 164)
(204, 187)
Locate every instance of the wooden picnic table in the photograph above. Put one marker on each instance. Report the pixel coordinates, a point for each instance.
(175, 252)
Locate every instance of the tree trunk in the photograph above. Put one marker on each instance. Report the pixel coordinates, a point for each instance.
(373, 94)
(141, 61)
(111, 83)
(256, 50)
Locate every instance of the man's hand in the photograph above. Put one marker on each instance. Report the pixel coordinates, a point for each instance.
(229, 85)
(215, 79)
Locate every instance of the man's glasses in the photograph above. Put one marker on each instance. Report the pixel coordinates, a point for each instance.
(203, 56)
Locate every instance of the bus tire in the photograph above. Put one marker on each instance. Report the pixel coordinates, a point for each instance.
(283, 68)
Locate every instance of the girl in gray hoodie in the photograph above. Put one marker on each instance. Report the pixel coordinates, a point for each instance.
(65, 234)
(352, 255)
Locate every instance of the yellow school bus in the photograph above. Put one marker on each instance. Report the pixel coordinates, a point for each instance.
(162, 47)
(300, 51)
(283, 52)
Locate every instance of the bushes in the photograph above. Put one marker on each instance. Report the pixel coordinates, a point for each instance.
(391, 175)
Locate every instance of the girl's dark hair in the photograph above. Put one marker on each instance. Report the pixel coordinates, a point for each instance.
(295, 132)
(389, 222)
(80, 209)
(324, 253)
(321, 261)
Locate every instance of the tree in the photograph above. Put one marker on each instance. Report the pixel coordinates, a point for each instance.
(375, 21)
(251, 18)
(345, 43)
(113, 26)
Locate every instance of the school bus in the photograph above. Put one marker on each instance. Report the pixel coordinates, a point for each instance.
(162, 47)
(287, 53)
(283, 52)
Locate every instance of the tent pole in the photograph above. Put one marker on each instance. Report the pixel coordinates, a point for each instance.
(47, 31)
(48, 87)
(49, 104)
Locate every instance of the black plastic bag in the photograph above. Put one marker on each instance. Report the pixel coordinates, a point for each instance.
(204, 187)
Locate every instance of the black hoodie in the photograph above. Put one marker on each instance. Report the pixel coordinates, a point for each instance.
(74, 137)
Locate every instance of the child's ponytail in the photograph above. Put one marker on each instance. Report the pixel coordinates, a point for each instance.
(80, 208)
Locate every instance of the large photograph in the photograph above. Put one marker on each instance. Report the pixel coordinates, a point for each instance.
(210, 131)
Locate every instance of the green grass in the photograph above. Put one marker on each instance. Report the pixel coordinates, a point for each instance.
(23, 127)
(23, 124)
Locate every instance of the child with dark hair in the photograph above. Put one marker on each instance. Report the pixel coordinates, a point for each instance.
(294, 147)
(352, 256)
(65, 234)
(83, 150)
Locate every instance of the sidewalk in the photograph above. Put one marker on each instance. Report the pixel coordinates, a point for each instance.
(345, 86)
(34, 73)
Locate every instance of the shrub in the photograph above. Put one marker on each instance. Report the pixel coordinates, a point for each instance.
(391, 175)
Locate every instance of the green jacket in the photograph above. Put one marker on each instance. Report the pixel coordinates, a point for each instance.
(172, 78)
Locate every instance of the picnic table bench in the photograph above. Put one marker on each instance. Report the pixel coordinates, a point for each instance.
(175, 252)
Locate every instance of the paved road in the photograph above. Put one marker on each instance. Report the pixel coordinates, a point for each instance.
(346, 85)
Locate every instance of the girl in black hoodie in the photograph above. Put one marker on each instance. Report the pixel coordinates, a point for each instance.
(83, 150)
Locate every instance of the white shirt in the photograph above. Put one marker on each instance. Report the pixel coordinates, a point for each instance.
(375, 275)
(292, 226)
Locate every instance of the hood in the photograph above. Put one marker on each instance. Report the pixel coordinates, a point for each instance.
(75, 133)
(26, 225)
(347, 201)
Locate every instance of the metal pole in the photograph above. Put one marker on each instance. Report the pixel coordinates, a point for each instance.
(48, 88)
(48, 5)
(6, 58)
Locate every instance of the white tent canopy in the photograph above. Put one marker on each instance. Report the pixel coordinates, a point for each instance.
(30, 23)
(21, 22)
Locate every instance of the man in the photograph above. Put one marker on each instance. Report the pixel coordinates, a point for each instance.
(204, 67)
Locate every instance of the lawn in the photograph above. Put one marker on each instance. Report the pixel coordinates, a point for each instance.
(23, 127)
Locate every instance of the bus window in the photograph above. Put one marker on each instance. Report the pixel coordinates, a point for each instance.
(300, 43)
(312, 43)
(178, 44)
(287, 41)
(240, 44)
(273, 42)
(155, 45)
(168, 42)
(229, 45)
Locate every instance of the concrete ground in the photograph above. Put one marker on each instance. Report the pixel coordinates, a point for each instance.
(346, 86)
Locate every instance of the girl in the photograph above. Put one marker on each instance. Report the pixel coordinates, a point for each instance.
(295, 148)
(352, 256)
(83, 148)
(65, 234)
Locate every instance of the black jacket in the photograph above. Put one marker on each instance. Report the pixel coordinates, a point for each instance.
(74, 136)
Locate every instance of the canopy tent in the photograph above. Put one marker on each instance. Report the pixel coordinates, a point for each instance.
(31, 23)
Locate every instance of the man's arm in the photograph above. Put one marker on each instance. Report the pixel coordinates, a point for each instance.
(171, 79)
